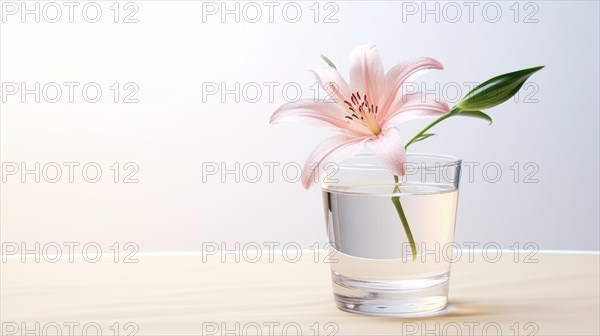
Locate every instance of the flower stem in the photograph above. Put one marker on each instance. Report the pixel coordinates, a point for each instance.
(402, 215)
(435, 122)
(396, 199)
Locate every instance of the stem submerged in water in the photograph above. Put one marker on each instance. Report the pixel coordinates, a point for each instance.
(398, 206)
(396, 199)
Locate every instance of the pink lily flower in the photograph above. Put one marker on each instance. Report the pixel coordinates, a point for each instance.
(366, 111)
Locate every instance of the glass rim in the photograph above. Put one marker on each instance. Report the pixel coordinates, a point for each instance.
(445, 161)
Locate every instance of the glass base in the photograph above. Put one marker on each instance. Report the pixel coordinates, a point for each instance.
(398, 298)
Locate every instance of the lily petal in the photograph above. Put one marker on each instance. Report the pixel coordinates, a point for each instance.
(403, 72)
(390, 150)
(334, 149)
(319, 113)
(414, 106)
(367, 75)
(325, 77)
(328, 114)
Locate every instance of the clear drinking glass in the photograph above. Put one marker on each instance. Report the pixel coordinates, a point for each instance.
(373, 272)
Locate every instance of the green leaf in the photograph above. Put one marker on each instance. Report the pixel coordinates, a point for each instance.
(328, 61)
(496, 90)
(423, 137)
(475, 114)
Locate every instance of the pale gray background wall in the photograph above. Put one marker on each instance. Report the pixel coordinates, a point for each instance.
(170, 132)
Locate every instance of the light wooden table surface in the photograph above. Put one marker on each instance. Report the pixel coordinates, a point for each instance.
(186, 295)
